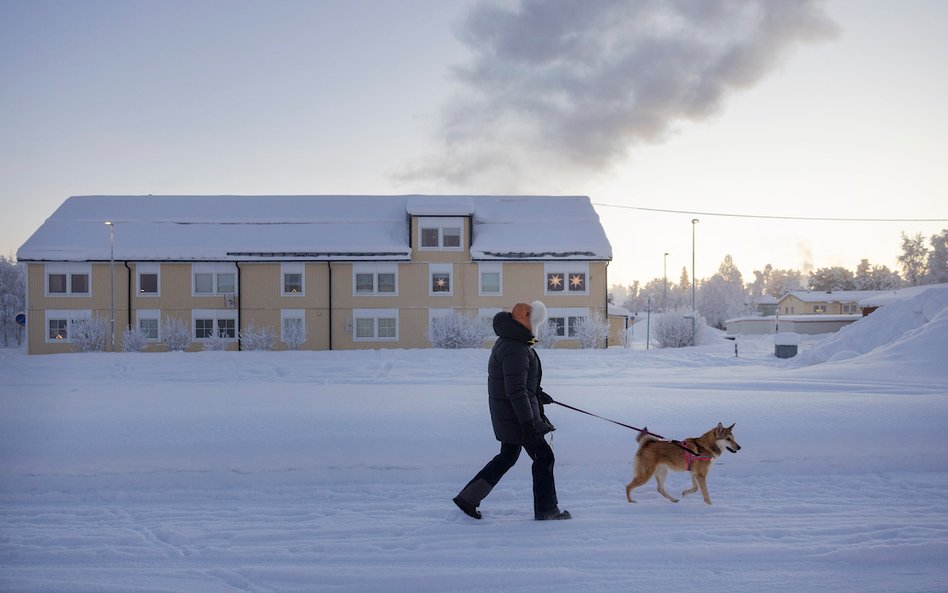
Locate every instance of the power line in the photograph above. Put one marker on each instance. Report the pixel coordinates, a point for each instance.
(770, 217)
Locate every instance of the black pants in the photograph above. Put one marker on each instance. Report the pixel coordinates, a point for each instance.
(544, 489)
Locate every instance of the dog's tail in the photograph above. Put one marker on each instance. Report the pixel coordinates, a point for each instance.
(645, 436)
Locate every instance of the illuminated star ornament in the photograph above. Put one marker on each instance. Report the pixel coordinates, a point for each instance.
(577, 282)
(441, 284)
(554, 282)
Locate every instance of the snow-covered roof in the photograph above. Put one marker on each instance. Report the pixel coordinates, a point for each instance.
(890, 296)
(835, 296)
(223, 228)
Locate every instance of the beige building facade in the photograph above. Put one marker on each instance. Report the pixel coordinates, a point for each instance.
(354, 272)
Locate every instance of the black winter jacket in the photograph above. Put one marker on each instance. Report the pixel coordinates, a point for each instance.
(513, 380)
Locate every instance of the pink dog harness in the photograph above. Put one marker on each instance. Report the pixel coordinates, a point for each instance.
(691, 457)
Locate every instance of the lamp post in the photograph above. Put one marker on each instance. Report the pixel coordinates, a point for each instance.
(665, 284)
(111, 226)
(694, 221)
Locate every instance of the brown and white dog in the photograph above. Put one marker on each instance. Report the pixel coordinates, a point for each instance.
(656, 457)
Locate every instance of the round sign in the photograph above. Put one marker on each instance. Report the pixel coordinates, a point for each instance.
(21, 318)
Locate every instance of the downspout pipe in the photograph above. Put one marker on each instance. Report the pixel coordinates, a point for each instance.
(131, 292)
(240, 316)
(329, 264)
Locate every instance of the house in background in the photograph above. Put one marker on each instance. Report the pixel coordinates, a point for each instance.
(839, 302)
(806, 312)
(354, 271)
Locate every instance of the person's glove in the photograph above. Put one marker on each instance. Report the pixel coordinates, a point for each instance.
(544, 397)
(535, 429)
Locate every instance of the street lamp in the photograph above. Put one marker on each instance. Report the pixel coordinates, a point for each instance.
(665, 284)
(111, 226)
(694, 221)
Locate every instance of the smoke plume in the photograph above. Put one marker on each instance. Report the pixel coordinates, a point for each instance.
(573, 85)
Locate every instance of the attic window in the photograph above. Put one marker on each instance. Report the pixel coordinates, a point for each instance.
(440, 233)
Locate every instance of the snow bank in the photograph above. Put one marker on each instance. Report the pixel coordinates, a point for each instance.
(909, 329)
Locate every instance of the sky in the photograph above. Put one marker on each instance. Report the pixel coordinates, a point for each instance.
(828, 109)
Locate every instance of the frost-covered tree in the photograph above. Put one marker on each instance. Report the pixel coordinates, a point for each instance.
(217, 342)
(133, 340)
(545, 334)
(683, 291)
(294, 334)
(913, 259)
(835, 278)
(675, 331)
(936, 269)
(775, 282)
(722, 295)
(592, 332)
(252, 338)
(12, 299)
(869, 277)
(89, 335)
(454, 331)
(175, 334)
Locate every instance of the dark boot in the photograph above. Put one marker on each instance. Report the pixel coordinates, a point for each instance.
(554, 515)
(471, 496)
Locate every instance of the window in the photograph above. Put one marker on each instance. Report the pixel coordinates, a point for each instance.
(566, 321)
(440, 278)
(850, 309)
(59, 323)
(437, 233)
(149, 323)
(68, 279)
(375, 325)
(207, 323)
(490, 279)
(214, 279)
(371, 279)
(566, 278)
(148, 279)
(819, 308)
(293, 326)
(292, 274)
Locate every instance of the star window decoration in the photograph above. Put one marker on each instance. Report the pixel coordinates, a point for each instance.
(441, 283)
(577, 282)
(554, 282)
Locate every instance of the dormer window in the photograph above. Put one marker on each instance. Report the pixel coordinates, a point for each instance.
(444, 234)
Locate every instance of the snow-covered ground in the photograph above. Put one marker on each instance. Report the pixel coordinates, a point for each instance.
(334, 471)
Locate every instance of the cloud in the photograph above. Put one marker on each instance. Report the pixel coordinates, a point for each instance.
(573, 85)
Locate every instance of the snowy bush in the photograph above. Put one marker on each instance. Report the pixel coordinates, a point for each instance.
(252, 338)
(217, 341)
(294, 334)
(12, 298)
(592, 332)
(134, 340)
(454, 331)
(546, 334)
(89, 335)
(175, 334)
(675, 331)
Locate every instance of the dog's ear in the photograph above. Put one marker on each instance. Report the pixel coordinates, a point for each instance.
(731, 427)
(720, 426)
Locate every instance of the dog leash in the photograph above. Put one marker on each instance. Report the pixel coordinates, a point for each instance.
(642, 430)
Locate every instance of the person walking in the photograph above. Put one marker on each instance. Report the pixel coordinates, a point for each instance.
(516, 412)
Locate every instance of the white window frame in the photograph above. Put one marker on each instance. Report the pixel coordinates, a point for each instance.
(374, 268)
(152, 315)
(375, 315)
(147, 269)
(440, 269)
(292, 268)
(216, 315)
(70, 316)
(441, 223)
(287, 314)
(69, 270)
(214, 269)
(570, 316)
(565, 269)
(490, 268)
